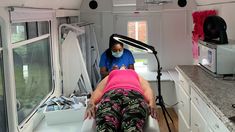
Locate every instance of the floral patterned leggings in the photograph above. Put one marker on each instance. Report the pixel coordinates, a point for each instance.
(121, 111)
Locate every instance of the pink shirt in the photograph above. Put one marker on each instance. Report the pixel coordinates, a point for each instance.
(126, 79)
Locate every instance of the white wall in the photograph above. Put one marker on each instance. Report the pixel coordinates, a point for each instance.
(102, 18)
(170, 29)
(206, 2)
(226, 11)
(176, 47)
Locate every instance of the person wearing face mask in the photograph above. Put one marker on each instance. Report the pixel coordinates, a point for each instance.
(115, 57)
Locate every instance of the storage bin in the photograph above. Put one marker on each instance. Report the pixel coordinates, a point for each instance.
(64, 116)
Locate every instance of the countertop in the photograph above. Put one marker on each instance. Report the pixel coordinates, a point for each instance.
(219, 94)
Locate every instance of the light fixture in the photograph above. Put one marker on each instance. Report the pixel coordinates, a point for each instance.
(93, 4)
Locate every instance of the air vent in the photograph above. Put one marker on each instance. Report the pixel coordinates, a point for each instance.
(121, 3)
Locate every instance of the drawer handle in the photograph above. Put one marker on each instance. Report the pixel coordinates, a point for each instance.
(217, 126)
(196, 99)
(181, 81)
(197, 127)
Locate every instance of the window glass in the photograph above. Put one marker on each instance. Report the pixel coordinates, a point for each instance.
(141, 65)
(33, 79)
(68, 20)
(3, 116)
(43, 28)
(32, 31)
(137, 30)
(0, 39)
(61, 20)
(73, 19)
(18, 32)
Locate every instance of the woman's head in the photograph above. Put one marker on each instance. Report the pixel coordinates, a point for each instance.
(115, 47)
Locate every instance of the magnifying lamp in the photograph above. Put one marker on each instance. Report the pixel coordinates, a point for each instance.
(149, 49)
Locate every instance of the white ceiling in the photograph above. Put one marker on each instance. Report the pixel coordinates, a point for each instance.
(75, 4)
(54, 4)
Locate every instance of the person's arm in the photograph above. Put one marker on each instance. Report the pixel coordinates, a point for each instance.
(103, 67)
(104, 72)
(95, 97)
(149, 95)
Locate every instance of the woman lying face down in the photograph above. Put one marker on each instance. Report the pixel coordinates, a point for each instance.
(124, 100)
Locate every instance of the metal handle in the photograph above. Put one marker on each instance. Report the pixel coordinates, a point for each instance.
(217, 126)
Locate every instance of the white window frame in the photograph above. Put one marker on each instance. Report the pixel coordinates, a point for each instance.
(30, 123)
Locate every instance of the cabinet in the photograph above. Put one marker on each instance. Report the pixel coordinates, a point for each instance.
(184, 108)
(193, 112)
(183, 98)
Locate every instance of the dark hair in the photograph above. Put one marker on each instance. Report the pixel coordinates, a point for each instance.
(112, 42)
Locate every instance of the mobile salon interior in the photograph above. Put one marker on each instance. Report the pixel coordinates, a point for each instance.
(50, 52)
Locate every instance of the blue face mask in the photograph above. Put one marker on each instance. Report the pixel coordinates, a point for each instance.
(117, 54)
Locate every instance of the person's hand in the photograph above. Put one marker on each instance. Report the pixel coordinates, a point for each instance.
(115, 67)
(90, 111)
(123, 67)
(153, 110)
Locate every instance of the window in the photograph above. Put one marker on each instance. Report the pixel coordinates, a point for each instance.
(137, 30)
(3, 116)
(32, 67)
(68, 20)
(28, 30)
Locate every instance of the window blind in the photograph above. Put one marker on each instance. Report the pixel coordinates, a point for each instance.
(18, 15)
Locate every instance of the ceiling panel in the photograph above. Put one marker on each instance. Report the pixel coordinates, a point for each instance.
(55, 4)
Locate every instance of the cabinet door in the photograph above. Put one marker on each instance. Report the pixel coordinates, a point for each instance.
(210, 130)
(198, 123)
(183, 125)
(212, 120)
(215, 123)
(184, 106)
(184, 84)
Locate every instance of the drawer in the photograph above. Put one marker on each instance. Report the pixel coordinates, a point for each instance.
(184, 105)
(215, 123)
(198, 123)
(183, 126)
(201, 105)
(184, 84)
